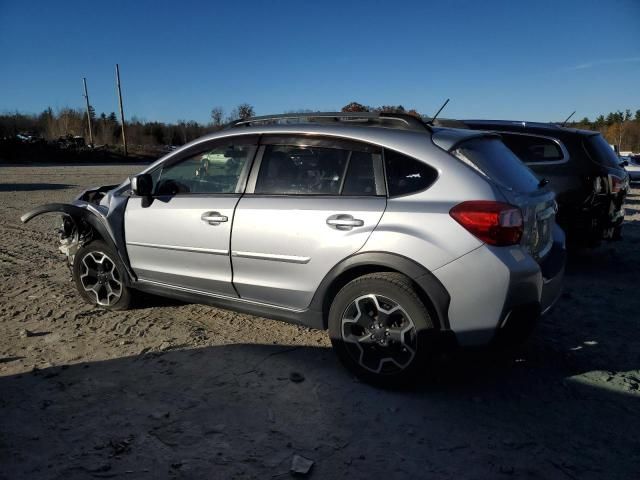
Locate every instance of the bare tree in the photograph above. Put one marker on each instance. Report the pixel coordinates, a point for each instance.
(245, 111)
(355, 107)
(217, 115)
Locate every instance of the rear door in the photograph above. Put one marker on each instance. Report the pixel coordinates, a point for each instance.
(180, 237)
(310, 203)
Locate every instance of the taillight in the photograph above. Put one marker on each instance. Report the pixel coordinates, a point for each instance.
(598, 185)
(494, 223)
(616, 183)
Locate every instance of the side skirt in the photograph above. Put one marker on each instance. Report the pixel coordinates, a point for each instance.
(307, 318)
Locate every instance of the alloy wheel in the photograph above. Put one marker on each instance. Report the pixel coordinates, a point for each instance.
(379, 334)
(100, 278)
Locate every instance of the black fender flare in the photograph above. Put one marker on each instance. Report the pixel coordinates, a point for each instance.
(430, 286)
(95, 219)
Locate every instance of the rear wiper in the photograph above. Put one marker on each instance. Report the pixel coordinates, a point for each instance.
(543, 182)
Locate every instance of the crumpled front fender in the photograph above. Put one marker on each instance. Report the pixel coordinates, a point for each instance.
(64, 208)
(83, 212)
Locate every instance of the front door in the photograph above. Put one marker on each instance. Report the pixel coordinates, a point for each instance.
(310, 203)
(180, 237)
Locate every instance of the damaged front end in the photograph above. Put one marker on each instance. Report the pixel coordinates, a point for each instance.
(72, 236)
(96, 213)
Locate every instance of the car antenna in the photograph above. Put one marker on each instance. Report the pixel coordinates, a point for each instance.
(567, 119)
(430, 122)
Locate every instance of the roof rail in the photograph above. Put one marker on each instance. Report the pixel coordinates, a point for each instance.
(381, 119)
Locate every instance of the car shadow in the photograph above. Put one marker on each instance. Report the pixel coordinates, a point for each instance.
(32, 187)
(233, 411)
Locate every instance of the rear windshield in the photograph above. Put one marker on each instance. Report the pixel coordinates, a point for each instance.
(492, 158)
(601, 152)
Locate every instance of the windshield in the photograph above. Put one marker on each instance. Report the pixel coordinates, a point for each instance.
(493, 159)
(601, 152)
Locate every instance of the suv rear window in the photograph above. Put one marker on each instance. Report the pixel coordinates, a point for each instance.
(493, 159)
(601, 152)
(533, 149)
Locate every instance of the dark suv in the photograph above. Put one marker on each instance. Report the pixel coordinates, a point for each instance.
(581, 168)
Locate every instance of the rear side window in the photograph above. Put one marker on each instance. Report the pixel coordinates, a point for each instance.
(492, 158)
(315, 170)
(532, 149)
(601, 152)
(407, 175)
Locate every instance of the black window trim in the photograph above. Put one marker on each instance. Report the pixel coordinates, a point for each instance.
(565, 153)
(320, 141)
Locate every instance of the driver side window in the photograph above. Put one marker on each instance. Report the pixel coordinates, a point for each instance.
(217, 170)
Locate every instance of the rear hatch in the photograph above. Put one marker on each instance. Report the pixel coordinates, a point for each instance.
(489, 156)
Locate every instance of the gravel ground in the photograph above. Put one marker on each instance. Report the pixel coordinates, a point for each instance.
(170, 390)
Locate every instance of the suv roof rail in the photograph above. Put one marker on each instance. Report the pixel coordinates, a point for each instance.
(403, 121)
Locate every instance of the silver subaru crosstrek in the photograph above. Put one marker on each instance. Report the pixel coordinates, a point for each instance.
(394, 235)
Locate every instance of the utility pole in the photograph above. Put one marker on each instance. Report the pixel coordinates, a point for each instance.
(86, 97)
(124, 136)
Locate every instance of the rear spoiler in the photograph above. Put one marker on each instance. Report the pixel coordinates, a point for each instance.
(449, 138)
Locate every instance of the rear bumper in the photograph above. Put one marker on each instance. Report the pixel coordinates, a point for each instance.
(520, 316)
(501, 291)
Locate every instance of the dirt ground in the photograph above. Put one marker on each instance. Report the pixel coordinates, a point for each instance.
(171, 390)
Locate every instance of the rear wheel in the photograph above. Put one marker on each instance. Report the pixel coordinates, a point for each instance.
(99, 276)
(380, 329)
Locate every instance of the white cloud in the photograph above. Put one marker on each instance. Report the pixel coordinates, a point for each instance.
(608, 61)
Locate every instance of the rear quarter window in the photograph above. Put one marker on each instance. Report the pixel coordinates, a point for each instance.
(493, 159)
(406, 175)
(601, 152)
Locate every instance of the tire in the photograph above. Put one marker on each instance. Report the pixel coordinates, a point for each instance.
(394, 345)
(100, 276)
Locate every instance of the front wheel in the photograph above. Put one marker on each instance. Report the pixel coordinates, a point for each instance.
(99, 276)
(381, 329)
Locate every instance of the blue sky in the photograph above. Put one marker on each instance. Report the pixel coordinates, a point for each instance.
(495, 59)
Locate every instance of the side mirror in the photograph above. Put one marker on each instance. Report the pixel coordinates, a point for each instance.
(142, 185)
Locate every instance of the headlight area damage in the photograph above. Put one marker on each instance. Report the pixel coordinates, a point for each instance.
(95, 214)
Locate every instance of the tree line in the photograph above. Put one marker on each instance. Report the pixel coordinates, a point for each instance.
(621, 128)
(106, 129)
(618, 128)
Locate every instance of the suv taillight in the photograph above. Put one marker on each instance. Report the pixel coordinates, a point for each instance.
(616, 183)
(494, 223)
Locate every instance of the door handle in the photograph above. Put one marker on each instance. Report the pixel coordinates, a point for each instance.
(344, 222)
(213, 218)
